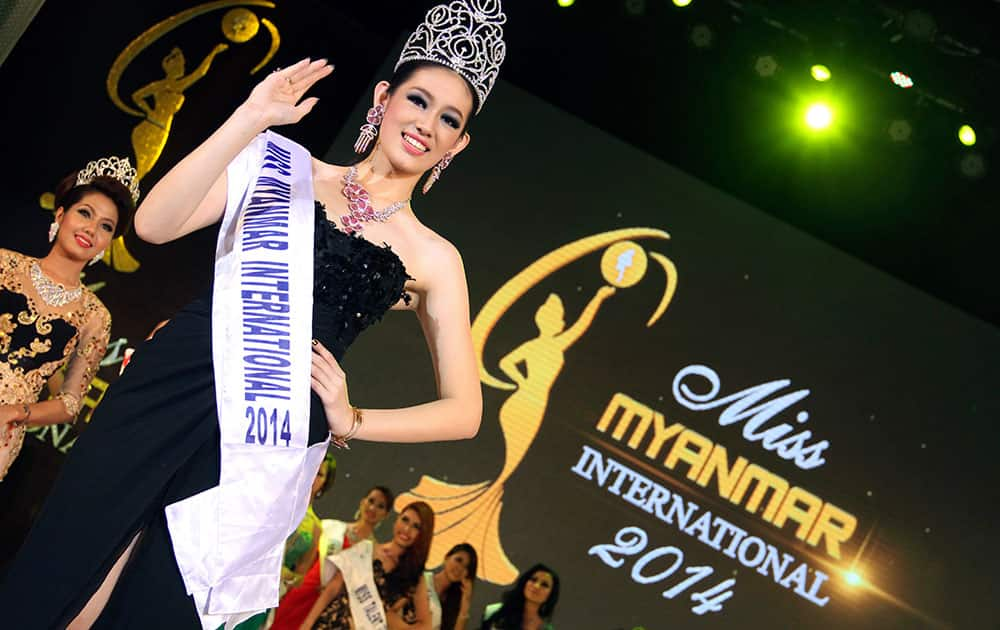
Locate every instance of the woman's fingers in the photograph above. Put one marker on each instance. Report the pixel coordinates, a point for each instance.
(304, 78)
(321, 390)
(303, 86)
(292, 70)
(326, 373)
(306, 106)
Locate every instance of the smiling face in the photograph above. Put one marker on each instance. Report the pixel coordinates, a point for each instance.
(407, 529)
(86, 227)
(425, 116)
(538, 587)
(456, 566)
(374, 507)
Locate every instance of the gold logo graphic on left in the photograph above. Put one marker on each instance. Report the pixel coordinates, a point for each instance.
(158, 101)
(471, 513)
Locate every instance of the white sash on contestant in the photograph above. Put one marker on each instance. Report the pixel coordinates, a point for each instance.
(355, 564)
(331, 541)
(229, 540)
(434, 600)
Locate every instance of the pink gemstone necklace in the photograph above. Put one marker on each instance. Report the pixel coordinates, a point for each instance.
(359, 207)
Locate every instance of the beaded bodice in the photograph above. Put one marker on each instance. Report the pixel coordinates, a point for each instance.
(37, 338)
(354, 283)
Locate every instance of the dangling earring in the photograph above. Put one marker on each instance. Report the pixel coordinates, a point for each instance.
(370, 129)
(53, 230)
(436, 171)
(96, 259)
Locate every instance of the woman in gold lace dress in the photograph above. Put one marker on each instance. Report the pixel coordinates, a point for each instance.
(48, 320)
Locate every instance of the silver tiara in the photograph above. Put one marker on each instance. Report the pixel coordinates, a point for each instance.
(113, 167)
(466, 36)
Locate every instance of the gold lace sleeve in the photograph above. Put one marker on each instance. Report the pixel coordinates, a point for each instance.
(84, 363)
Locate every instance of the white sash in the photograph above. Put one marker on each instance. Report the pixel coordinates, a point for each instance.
(355, 564)
(433, 600)
(229, 540)
(331, 541)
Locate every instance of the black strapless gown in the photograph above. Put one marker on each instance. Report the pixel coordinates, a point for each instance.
(154, 440)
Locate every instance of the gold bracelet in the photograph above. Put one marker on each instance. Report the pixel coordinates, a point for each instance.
(340, 441)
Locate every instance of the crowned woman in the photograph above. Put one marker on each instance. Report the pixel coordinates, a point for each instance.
(48, 319)
(198, 463)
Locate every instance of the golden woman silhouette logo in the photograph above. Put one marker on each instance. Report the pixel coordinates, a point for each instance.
(158, 101)
(166, 96)
(471, 513)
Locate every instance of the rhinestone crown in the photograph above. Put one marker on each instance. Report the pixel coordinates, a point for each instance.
(464, 35)
(113, 167)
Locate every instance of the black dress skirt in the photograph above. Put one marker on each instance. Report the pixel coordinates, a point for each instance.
(154, 440)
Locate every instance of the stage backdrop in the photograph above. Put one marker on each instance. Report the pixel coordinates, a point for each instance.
(699, 416)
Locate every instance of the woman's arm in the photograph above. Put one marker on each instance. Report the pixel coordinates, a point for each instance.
(444, 315)
(464, 608)
(326, 596)
(421, 608)
(80, 370)
(35, 414)
(309, 557)
(192, 194)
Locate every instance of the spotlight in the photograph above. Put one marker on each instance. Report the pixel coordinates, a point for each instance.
(819, 116)
(702, 36)
(766, 66)
(820, 72)
(565, 3)
(967, 135)
(900, 130)
(902, 80)
(681, 3)
(852, 578)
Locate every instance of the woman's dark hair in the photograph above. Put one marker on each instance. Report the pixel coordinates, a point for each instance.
(68, 193)
(511, 611)
(451, 601)
(387, 493)
(410, 567)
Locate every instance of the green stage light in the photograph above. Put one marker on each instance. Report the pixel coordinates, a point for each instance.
(681, 3)
(820, 72)
(967, 135)
(565, 3)
(819, 116)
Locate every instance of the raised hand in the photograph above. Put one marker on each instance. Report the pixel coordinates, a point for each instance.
(466, 593)
(278, 98)
(330, 384)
